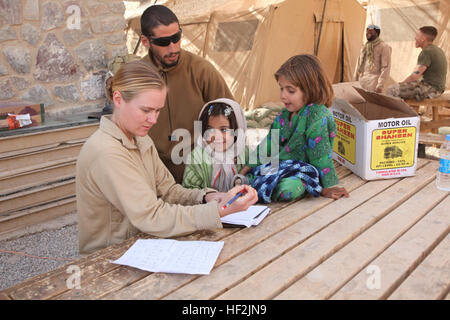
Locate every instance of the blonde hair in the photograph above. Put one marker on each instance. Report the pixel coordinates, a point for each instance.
(305, 71)
(132, 78)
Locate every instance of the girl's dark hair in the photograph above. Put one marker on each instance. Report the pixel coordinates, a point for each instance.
(306, 72)
(155, 16)
(217, 109)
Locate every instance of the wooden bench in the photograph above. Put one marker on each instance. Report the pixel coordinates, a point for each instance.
(440, 112)
(37, 176)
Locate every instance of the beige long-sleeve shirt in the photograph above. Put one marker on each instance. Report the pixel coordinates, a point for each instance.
(371, 79)
(123, 188)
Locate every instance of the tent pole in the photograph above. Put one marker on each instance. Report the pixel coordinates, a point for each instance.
(316, 51)
(342, 52)
(137, 45)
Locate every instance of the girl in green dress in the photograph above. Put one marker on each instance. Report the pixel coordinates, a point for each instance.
(305, 128)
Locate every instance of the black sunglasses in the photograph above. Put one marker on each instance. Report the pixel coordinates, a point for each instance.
(165, 41)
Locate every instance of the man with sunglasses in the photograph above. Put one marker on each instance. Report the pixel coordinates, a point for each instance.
(191, 80)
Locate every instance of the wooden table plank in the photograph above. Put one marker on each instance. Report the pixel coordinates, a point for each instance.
(282, 272)
(328, 277)
(401, 258)
(123, 276)
(156, 286)
(4, 296)
(431, 279)
(234, 271)
(93, 266)
(30, 282)
(52, 283)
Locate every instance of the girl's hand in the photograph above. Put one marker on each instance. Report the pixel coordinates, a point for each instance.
(334, 193)
(244, 170)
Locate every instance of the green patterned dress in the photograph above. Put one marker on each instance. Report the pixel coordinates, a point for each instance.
(308, 136)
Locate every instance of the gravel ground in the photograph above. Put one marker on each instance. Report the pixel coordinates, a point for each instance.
(61, 242)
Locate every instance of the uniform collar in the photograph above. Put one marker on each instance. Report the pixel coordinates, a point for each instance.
(109, 127)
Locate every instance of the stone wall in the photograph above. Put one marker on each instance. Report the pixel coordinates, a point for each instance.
(57, 52)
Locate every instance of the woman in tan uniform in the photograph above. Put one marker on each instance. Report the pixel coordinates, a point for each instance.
(122, 186)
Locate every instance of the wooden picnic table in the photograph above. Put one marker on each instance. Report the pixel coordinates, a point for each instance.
(389, 240)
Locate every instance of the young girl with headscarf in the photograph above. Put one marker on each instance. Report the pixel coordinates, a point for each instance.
(220, 150)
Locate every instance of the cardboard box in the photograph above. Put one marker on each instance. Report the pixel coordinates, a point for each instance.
(36, 112)
(377, 136)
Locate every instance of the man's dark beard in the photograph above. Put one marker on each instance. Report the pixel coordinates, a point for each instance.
(372, 38)
(161, 61)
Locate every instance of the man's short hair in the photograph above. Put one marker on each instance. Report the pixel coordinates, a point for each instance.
(430, 32)
(155, 16)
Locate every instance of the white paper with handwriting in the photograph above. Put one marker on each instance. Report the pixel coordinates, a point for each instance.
(172, 256)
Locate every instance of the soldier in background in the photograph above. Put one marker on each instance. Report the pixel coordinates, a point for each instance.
(428, 78)
(374, 62)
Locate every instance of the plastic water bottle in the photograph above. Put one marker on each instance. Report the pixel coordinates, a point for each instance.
(443, 175)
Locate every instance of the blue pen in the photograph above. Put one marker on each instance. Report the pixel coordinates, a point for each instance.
(240, 193)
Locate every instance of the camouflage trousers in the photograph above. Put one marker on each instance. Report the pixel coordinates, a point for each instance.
(418, 90)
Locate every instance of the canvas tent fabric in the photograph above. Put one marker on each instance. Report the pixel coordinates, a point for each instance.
(248, 40)
(399, 22)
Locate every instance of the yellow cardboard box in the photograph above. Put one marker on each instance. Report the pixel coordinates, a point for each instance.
(377, 136)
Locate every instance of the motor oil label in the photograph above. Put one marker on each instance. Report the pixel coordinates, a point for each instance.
(345, 140)
(393, 148)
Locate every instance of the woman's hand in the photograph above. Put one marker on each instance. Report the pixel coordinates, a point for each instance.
(334, 193)
(242, 203)
(217, 196)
